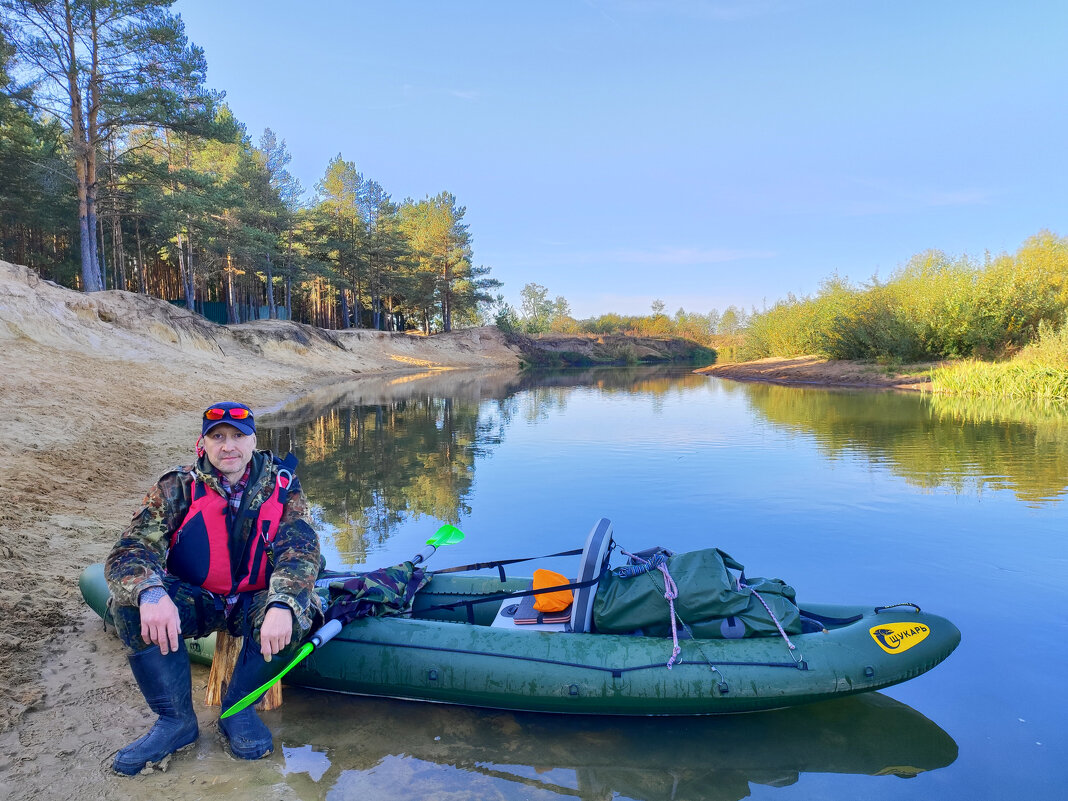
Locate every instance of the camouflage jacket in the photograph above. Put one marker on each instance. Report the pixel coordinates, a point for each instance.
(138, 560)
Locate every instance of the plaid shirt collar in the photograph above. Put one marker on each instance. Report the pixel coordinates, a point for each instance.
(234, 491)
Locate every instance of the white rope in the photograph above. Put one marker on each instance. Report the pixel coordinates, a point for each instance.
(671, 592)
(771, 614)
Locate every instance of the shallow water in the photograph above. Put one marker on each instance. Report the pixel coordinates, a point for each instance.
(849, 496)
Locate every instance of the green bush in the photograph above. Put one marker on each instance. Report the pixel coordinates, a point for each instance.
(1040, 370)
(934, 307)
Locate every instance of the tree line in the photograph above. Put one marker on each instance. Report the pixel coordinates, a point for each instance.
(120, 169)
(540, 314)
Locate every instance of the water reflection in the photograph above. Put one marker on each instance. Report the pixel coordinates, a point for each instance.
(964, 444)
(376, 454)
(367, 747)
(379, 453)
(478, 385)
(373, 466)
(538, 457)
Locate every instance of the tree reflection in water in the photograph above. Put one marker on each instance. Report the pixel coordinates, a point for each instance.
(959, 443)
(382, 452)
(374, 466)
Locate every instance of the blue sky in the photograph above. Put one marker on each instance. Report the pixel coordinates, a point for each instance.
(703, 152)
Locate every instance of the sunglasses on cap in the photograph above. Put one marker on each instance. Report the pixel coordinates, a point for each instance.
(233, 414)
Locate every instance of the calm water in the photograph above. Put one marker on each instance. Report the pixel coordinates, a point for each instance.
(849, 496)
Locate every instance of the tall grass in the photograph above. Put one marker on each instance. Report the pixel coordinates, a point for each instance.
(1008, 380)
(934, 307)
(1039, 370)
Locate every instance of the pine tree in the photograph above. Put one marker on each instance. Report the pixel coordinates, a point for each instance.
(342, 232)
(36, 206)
(441, 246)
(103, 66)
(291, 196)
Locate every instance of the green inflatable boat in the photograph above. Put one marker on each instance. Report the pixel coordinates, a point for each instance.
(476, 654)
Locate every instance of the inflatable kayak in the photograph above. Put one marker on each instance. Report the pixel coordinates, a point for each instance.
(476, 654)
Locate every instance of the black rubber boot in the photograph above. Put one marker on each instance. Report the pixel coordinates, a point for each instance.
(249, 737)
(165, 683)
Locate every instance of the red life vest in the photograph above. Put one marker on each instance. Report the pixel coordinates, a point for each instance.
(200, 551)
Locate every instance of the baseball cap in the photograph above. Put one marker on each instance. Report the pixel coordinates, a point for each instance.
(237, 415)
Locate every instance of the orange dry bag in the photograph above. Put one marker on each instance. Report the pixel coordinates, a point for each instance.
(551, 601)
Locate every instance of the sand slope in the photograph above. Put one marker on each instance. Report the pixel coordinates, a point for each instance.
(100, 394)
(825, 372)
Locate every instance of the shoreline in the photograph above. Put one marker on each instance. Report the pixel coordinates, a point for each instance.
(820, 372)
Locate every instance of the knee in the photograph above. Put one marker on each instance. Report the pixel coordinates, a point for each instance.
(128, 627)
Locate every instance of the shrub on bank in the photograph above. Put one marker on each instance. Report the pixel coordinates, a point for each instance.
(1039, 371)
(1050, 348)
(934, 307)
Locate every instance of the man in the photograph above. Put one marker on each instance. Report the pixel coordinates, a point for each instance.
(225, 543)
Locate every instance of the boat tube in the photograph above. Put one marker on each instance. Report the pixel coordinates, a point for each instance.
(475, 654)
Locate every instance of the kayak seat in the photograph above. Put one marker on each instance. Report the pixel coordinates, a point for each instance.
(594, 561)
(519, 613)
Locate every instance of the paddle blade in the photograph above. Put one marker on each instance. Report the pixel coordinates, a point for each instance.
(446, 535)
(305, 649)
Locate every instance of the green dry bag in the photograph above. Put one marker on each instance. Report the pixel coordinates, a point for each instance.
(711, 601)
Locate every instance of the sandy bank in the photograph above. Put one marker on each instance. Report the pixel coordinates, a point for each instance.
(100, 394)
(825, 372)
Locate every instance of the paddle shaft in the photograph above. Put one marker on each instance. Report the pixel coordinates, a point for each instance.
(446, 535)
(424, 554)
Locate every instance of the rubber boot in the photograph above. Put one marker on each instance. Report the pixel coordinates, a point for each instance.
(249, 737)
(165, 683)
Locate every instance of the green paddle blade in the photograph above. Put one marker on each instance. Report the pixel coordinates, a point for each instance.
(305, 649)
(446, 535)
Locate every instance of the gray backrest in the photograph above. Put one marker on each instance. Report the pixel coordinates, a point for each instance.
(594, 560)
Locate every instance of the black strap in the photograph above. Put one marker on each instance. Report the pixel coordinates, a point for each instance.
(500, 563)
(338, 575)
(501, 596)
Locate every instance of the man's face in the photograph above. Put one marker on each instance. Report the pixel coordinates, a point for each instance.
(229, 450)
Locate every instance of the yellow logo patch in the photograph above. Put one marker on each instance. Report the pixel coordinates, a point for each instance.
(897, 637)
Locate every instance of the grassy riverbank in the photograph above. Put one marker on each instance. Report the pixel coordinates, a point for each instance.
(1018, 379)
(1038, 371)
(998, 328)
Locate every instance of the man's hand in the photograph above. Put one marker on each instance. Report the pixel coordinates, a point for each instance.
(161, 624)
(276, 631)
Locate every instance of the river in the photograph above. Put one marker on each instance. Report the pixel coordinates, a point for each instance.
(850, 496)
